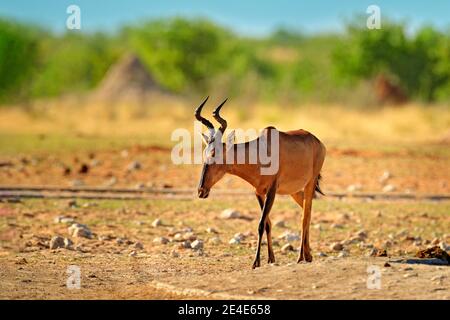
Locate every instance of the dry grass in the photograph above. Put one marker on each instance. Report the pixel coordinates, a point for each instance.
(332, 123)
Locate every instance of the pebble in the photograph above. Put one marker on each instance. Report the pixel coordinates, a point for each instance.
(287, 247)
(343, 254)
(76, 183)
(435, 241)
(68, 243)
(63, 219)
(56, 242)
(211, 230)
(197, 245)
(289, 236)
(336, 246)
(230, 214)
(354, 187)
(156, 223)
(410, 275)
(80, 230)
(362, 234)
(337, 226)
(280, 224)
(214, 240)
(322, 254)
(139, 246)
(444, 246)
(389, 188)
(133, 254)
(385, 176)
(135, 165)
(189, 236)
(174, 253)
(161, 240)
(234, 241)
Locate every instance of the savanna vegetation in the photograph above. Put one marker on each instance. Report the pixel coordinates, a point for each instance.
(196, 56)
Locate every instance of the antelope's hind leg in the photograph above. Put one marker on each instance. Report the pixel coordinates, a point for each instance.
(304, 199)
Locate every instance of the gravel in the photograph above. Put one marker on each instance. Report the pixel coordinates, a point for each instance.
(80, 230)
(287, 247)
(161, 240)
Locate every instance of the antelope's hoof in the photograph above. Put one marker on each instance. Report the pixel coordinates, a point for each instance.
(271, 260)
(306, 258)
(256, 264)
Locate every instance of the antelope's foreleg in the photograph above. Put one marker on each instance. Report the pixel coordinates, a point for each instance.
(270, 197)
(268, 231)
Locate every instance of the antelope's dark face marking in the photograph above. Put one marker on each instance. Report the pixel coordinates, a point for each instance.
(213, 170)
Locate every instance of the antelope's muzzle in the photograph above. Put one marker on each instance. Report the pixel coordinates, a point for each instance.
(203, 193)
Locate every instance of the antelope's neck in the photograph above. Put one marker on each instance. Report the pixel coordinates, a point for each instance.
(248, 172)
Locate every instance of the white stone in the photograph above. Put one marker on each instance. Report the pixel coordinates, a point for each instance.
(230, 214)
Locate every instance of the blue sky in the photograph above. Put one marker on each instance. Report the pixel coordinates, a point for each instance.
(249, 17)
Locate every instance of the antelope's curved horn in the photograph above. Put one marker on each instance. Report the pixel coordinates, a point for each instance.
(219, 119)
(198, 116)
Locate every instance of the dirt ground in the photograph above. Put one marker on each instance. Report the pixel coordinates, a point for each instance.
(114, 266)
(126, 257)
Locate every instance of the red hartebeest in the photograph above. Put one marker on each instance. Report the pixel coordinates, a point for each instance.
(300, 159)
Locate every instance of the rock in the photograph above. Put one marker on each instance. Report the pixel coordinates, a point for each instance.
(110, 182)
(385, 177)
(317, 226)
(174, 254)
(139, 186)
(289, 236)
(343, 254)
(322, 254)
(439, 278)
(362, 235)
(386, 265)
(186, 244)
(239, 236)
(435, 241)
(161, 240)
(410, 275)
(72, 203)
(156, 223)
(84, 169)
(56, 242)
(80, 230)
(389, 188)
(444, 246)
(124, 153)
(387, 244)
(211, 230)
(63, 219)
(336, 246)
(230, 214)
(234, 241)
(280, 224)
(138, 246)
(287, 247)
(345, 216)
(215, 240)
(21, 260)
(189, 236)
(337, 226)
(354, 187)
(197, 245)
(133, 166)
(133, 254)
(68, 243)
(76, 183)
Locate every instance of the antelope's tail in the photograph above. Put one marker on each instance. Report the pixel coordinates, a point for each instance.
(317, 188)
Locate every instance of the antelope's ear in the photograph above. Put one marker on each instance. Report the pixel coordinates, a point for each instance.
(205, 138)
(230, 140)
